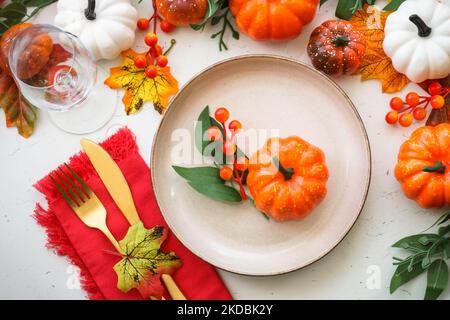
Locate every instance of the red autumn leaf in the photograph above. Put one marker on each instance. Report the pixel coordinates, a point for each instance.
(442, 115)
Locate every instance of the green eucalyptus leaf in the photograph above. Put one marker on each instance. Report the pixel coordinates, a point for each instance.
(217, 191)
(203, 124)
(442, 231)
(322, 2)
(402, 275)
(13, 10)
(415, 243)
(437, 279)
(37, 3)
(393, 5)
(199, 174)
(346, 8)
(213, 7)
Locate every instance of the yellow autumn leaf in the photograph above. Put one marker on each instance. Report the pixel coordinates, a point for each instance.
(139, 88)
(376, 64)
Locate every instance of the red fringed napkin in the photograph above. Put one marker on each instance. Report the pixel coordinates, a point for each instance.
(86, 247)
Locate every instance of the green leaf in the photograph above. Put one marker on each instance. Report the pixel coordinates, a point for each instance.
(402, 275)
(199, 174)
(437, 279)
(13, 10)
(442, 231)
(393, 5)
(346, 8)
(203, 124)
(216, 191)
(213, 7)
(418, 242)
(322, 2)
(143, 262)
(370, 2)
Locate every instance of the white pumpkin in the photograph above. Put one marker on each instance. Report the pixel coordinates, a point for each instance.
(105, 27)
(417, 39)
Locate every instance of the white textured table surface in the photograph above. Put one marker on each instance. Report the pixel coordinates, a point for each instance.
(29, 271)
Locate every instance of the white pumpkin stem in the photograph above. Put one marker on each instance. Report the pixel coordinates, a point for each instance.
(89, 12)
(424, 30)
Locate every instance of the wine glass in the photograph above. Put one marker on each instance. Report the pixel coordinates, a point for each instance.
(55, 72)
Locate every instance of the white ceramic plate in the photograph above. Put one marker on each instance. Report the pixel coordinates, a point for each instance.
(264, 92)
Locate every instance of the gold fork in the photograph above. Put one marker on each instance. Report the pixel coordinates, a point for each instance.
(83, 201)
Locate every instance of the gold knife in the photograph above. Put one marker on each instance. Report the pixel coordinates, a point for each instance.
(118, 188)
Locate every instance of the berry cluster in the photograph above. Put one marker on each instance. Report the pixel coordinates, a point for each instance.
(240, 163)
(153, 58)
(415, 106)
(144, 23)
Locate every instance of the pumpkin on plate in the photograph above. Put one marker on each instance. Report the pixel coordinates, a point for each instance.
(182, 12)
(105, 27)
(287, 178)
(273, 19)
(423, 167)
(417, 39)
(336, 47)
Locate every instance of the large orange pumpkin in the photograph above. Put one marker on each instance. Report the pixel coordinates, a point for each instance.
(287, 178)
(273, 19)
(423, 167)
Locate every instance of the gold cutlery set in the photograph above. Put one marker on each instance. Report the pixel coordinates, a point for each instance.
(89, 208)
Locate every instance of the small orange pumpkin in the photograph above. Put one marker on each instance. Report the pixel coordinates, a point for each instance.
(32, 58)
(287, 178)
(273, 19)
(182, 12)
(5, 44)
(423, 166)
(336, 47)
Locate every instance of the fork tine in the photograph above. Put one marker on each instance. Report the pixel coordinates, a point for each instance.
(80, 181)
(77, 198)
(76, 189)
(63, 193)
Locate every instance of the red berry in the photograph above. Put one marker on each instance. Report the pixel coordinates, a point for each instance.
(392, 117)
(396, 103)
(151, 39)
(235, 126)
(241, 164)
(229, 148)
(419, 113)
(405, 119)
(166, 26)
(222, 115)
(213, 133)
(162, 61)
(437, 101)
(412, 99)
(435, 88)
(143, 24)
(140, 61)
(155, 51)
(226, 173)
(151, 72)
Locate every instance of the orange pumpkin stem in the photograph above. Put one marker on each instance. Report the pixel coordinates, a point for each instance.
(438, 167)
(286, 172)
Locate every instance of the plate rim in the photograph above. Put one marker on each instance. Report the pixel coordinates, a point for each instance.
(321, 75)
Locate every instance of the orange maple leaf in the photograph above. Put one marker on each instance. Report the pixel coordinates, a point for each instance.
(376, 64)
(138, 87)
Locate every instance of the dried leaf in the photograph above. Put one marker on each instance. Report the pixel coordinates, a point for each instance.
(376, 64)
(139, 88)
(143, 262)
(18, 111)
(442, 115)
